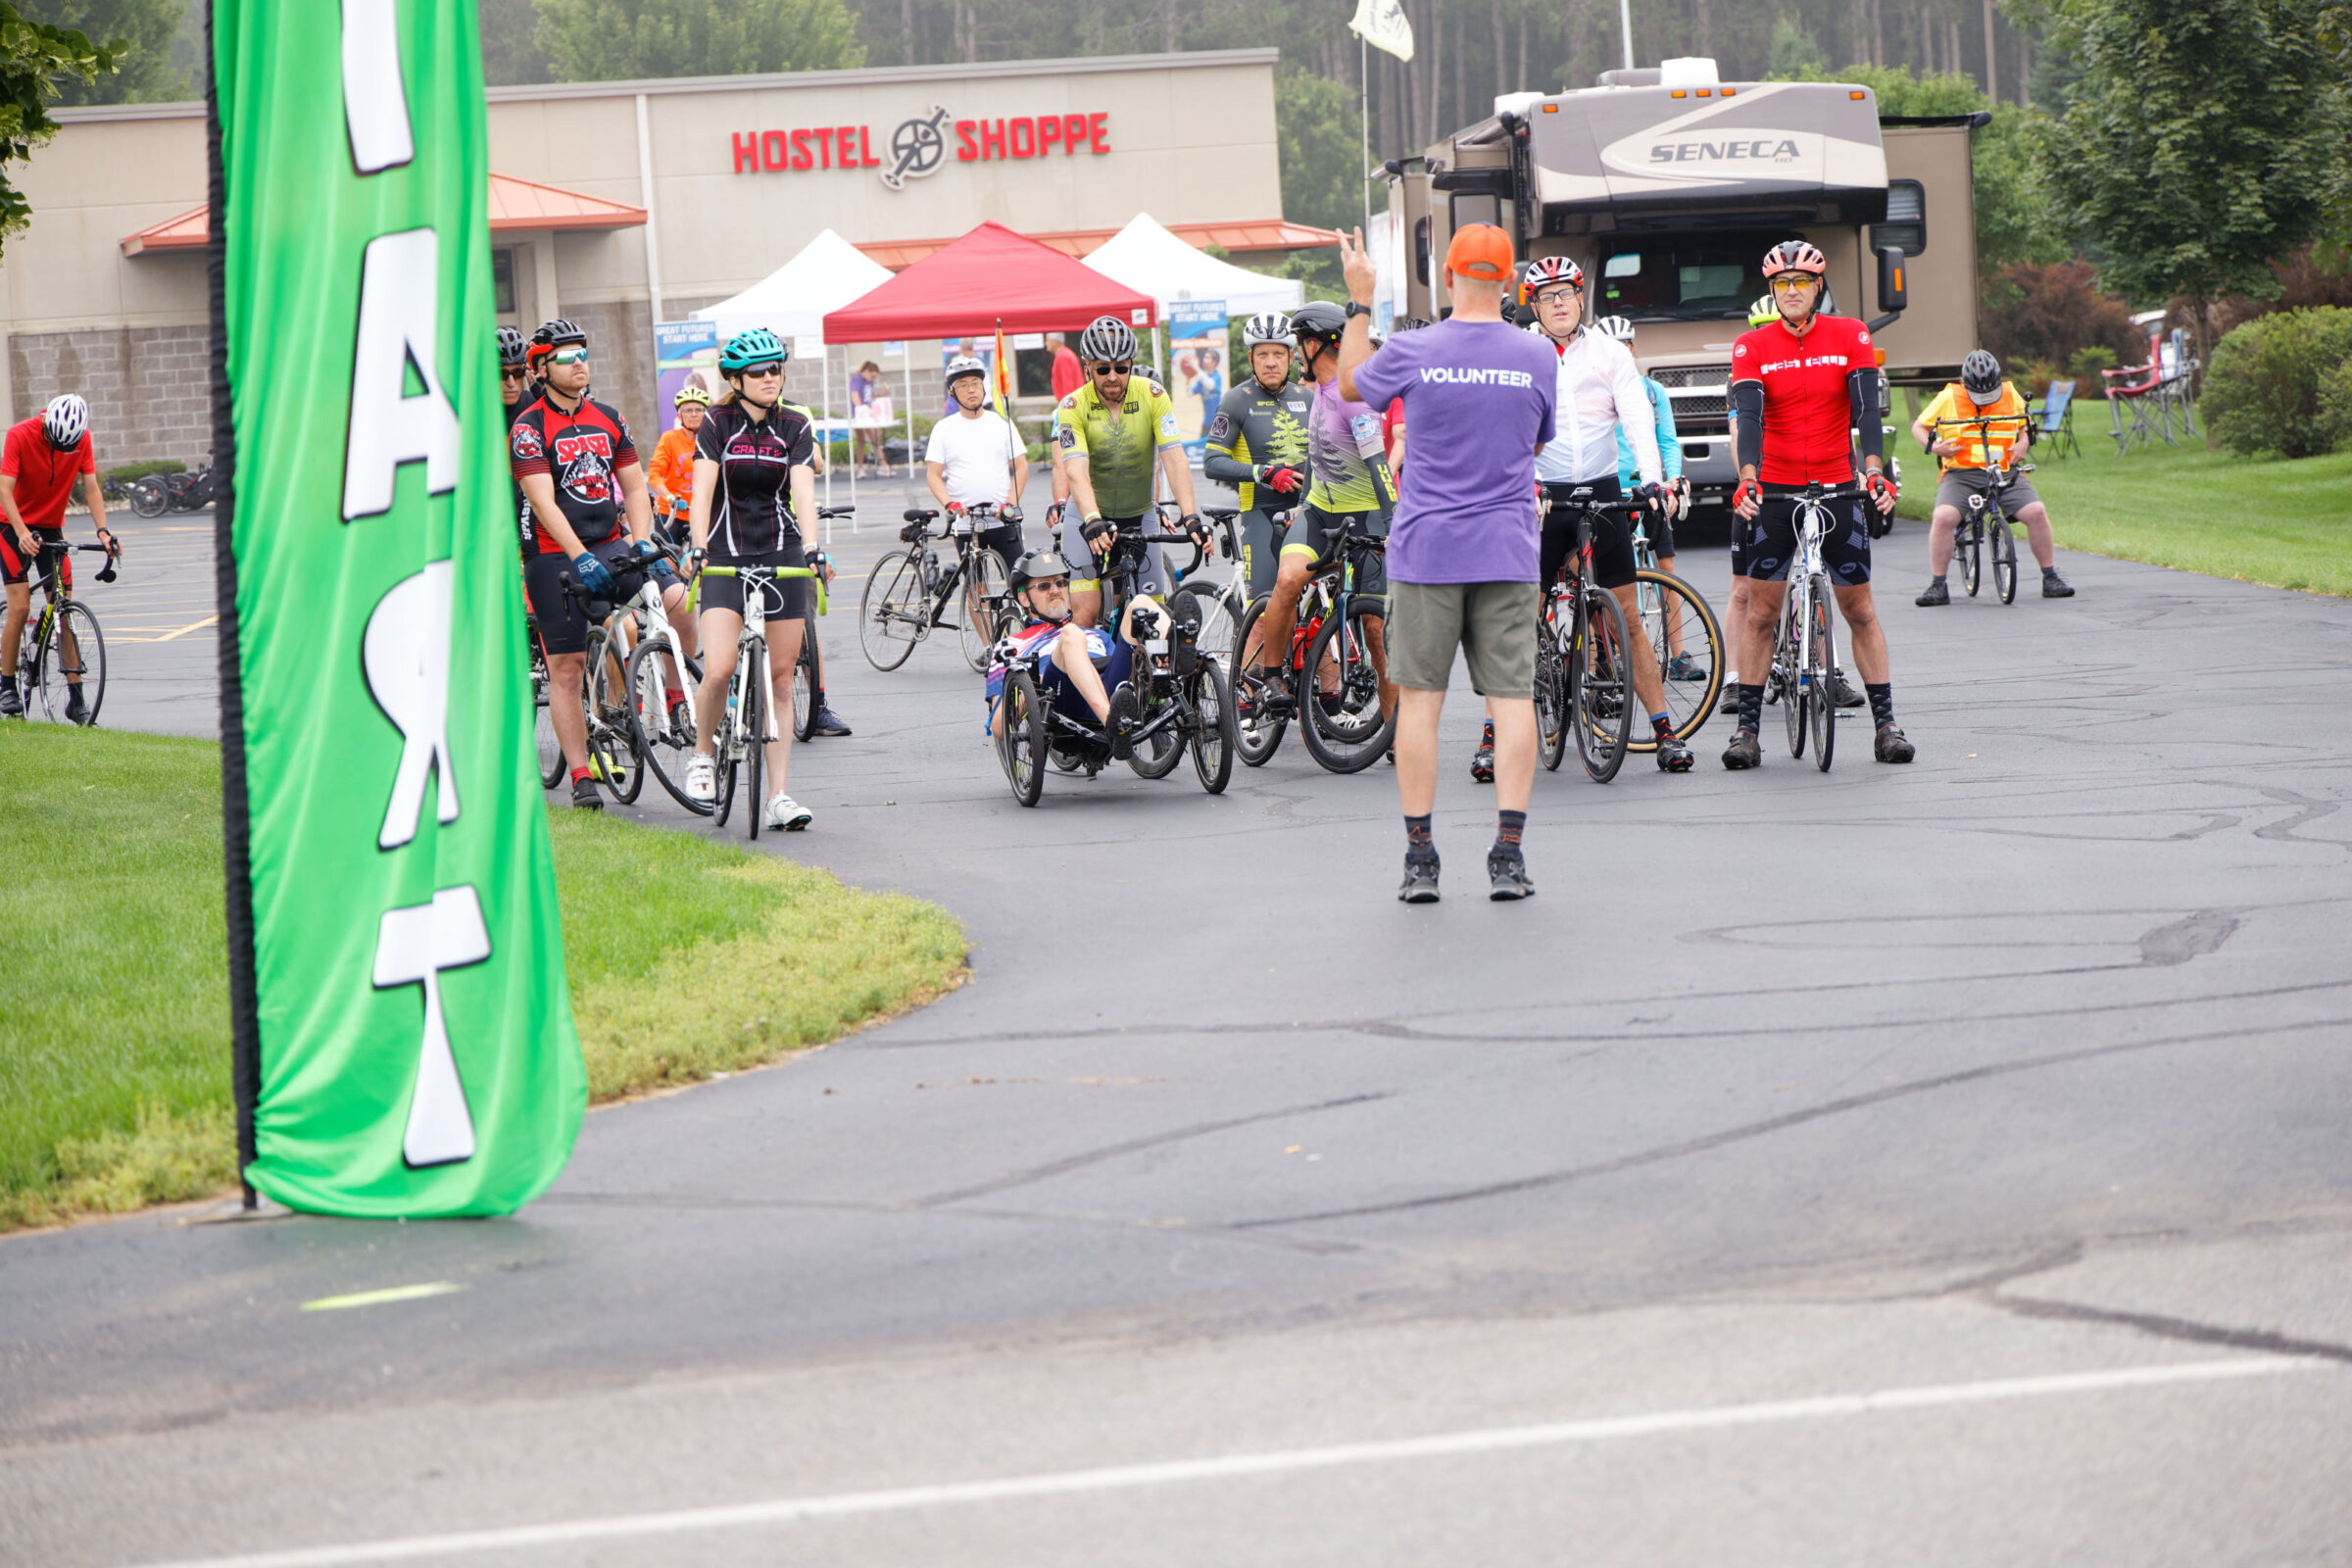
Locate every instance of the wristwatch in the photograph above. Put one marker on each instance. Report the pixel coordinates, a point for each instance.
(1354, 309)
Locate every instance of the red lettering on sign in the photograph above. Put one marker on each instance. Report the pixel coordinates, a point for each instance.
(1073, 133)
(843, 137)
(866, 150)
(967, 150)
(1022, 135)
(747, 153)
(775, 150)
(1099, 132)
(824, 143)
(1049, 132)
(801, 157)
(992, 138)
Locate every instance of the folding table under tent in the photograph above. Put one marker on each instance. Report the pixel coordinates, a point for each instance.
(791, 302)
(1149, 258)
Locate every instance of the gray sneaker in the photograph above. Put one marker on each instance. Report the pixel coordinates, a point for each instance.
(2054, 586)
(1420, 879)
(1508, 876)
(11, 705)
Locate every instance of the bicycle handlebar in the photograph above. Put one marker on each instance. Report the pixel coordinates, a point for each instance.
(756, 575)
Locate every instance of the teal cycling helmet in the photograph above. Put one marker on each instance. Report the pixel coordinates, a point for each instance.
(759, 346)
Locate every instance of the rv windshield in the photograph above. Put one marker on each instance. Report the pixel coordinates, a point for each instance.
(1682, 277)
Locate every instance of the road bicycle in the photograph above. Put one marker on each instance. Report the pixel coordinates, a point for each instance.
(1584, 663)
(1685, 637)
(1803, 652)
(1186, 696)
(741, 744)
(1986, 520)
(61, 659)
(1336, 633)
(910, 590)
(1220, 606)
(634, 727)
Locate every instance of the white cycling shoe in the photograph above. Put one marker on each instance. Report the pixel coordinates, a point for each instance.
(784, 813)
(702, 778)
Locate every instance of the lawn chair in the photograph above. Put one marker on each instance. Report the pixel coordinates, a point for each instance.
(2132, 391)
(2054, 421)
(2178, 391)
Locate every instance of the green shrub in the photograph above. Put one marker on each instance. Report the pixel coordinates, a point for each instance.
(2335, 406)
(2262, 389)
(140, 471)
(2088, 363)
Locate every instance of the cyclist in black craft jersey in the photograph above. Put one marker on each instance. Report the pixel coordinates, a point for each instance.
(755, 478)
(1257, 443)
(585, 508)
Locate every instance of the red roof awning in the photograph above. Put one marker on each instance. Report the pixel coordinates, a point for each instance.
(516, 206)
(990, 275)
(1264, 235)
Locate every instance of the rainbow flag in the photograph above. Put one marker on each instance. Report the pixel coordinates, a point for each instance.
(1002, 381)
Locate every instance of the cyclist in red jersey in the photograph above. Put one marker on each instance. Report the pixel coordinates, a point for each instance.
(43, 458)
(1799, 386)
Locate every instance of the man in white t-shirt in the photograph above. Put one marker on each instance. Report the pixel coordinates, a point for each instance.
(975, 458)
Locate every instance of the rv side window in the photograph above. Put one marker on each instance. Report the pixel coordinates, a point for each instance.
(1421, 251)
(1906, 223)
(1477, 208)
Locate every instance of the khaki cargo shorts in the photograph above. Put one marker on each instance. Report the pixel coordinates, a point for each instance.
(1493, 623)
(1958, 484)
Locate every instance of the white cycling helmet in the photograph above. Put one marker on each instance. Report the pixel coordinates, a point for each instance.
(961, 366)
(1266, 326)
(66, 421)
(1616, 326)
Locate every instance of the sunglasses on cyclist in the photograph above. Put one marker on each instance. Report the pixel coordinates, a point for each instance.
(1794, 281)
(1113, 369)
(572, 356)
(772, 368)
(510, 372)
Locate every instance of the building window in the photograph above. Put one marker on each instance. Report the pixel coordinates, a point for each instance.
(502, 280)
(1906, 224)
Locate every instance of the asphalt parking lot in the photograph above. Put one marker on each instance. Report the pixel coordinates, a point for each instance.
(1949, 1165)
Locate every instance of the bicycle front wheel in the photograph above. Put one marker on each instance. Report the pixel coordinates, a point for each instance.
(804, 682)
(148, 498)
(543, 725)
(1021, 737)
(755, 738)
(984, 589)
(1344, 727)
(613, 752)
(2004, 560)
(1674, 612)
(1602, 691)
(1551, 699)
(1216, 633)
(1214, 735)
(1821, 711)
(664, 738)
(1260, 734)
(72, 666)
(892, 614)
(1969, 554)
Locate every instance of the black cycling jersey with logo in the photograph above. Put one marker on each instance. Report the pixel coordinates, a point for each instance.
(751, 507)
(583, 452)
(1255, 429)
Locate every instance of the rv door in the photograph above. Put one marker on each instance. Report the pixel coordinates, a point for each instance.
(1410, 200)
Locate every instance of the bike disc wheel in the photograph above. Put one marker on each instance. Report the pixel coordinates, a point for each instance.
(1601, 712)
(612, 724)
(1349, 733)
(1021, 737)
(1822, 712)
(1971, 553)
(754, 732)
(1551, 699)
(1258, 736)
(2004, 562)
(1214, 734)
(663, 746)
(891, 613)
(75, 655)
(984, 589)
(1689, 703)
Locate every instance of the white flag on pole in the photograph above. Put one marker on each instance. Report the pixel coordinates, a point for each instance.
(1383, 25)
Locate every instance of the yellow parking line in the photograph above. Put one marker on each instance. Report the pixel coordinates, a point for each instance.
(170, 636)
(398, 1292)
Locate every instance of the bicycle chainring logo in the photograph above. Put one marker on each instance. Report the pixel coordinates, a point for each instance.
(916, 149)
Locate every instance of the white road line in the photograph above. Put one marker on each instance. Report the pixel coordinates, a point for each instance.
(1173, 1472)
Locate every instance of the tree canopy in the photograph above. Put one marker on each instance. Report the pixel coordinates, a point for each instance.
(140, 32)
(36, 59)
(605, 40)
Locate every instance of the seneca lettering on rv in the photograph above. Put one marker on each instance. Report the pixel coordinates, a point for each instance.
(1683, 152)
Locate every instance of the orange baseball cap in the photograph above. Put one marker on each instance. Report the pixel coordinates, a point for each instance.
(1481, 251)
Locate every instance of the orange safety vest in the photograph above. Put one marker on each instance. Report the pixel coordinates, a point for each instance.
(1984, 446)
(674, 467)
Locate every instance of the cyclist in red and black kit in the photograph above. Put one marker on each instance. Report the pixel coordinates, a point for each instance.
(585, 509)
(1800, 386)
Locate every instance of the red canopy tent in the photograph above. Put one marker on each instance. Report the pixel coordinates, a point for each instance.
(991, 275)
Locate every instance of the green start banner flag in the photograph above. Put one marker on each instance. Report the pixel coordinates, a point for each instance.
(405, 1039)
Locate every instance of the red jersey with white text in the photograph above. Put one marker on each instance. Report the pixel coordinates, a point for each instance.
(45, 476)
(583, 453)
(1808, 411)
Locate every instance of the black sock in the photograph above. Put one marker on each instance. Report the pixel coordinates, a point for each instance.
(2049, 571)
(1936, 581)
(1510, 828)
(1487, 739)
(1662, 724)
(1418, 845)
(1882, 702)
(1751, 706)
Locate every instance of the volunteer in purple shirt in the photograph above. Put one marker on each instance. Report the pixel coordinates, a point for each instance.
(1479, 395)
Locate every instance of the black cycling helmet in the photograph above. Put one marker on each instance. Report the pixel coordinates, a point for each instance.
(556, 333)
(1319, 319)
(1035, 564)
(510, 345)
(1107, 340)
(1981, 374)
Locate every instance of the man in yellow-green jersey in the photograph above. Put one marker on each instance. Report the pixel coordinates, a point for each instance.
(1112, 438)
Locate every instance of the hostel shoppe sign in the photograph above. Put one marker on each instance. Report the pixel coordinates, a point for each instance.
(918, 147)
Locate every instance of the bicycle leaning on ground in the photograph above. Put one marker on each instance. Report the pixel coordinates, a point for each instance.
(1802, 653)
(746, 727)
(1987, 518)
(910, 589)
(61, 663)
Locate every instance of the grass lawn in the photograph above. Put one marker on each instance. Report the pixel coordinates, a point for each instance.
(114, 1065)
(2285, 524)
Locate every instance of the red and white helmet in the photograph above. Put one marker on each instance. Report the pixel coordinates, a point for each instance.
(1552, 271)
(1794, 256)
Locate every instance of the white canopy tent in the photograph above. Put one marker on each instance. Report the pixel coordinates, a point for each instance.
(1149, 260)
(792, 301)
